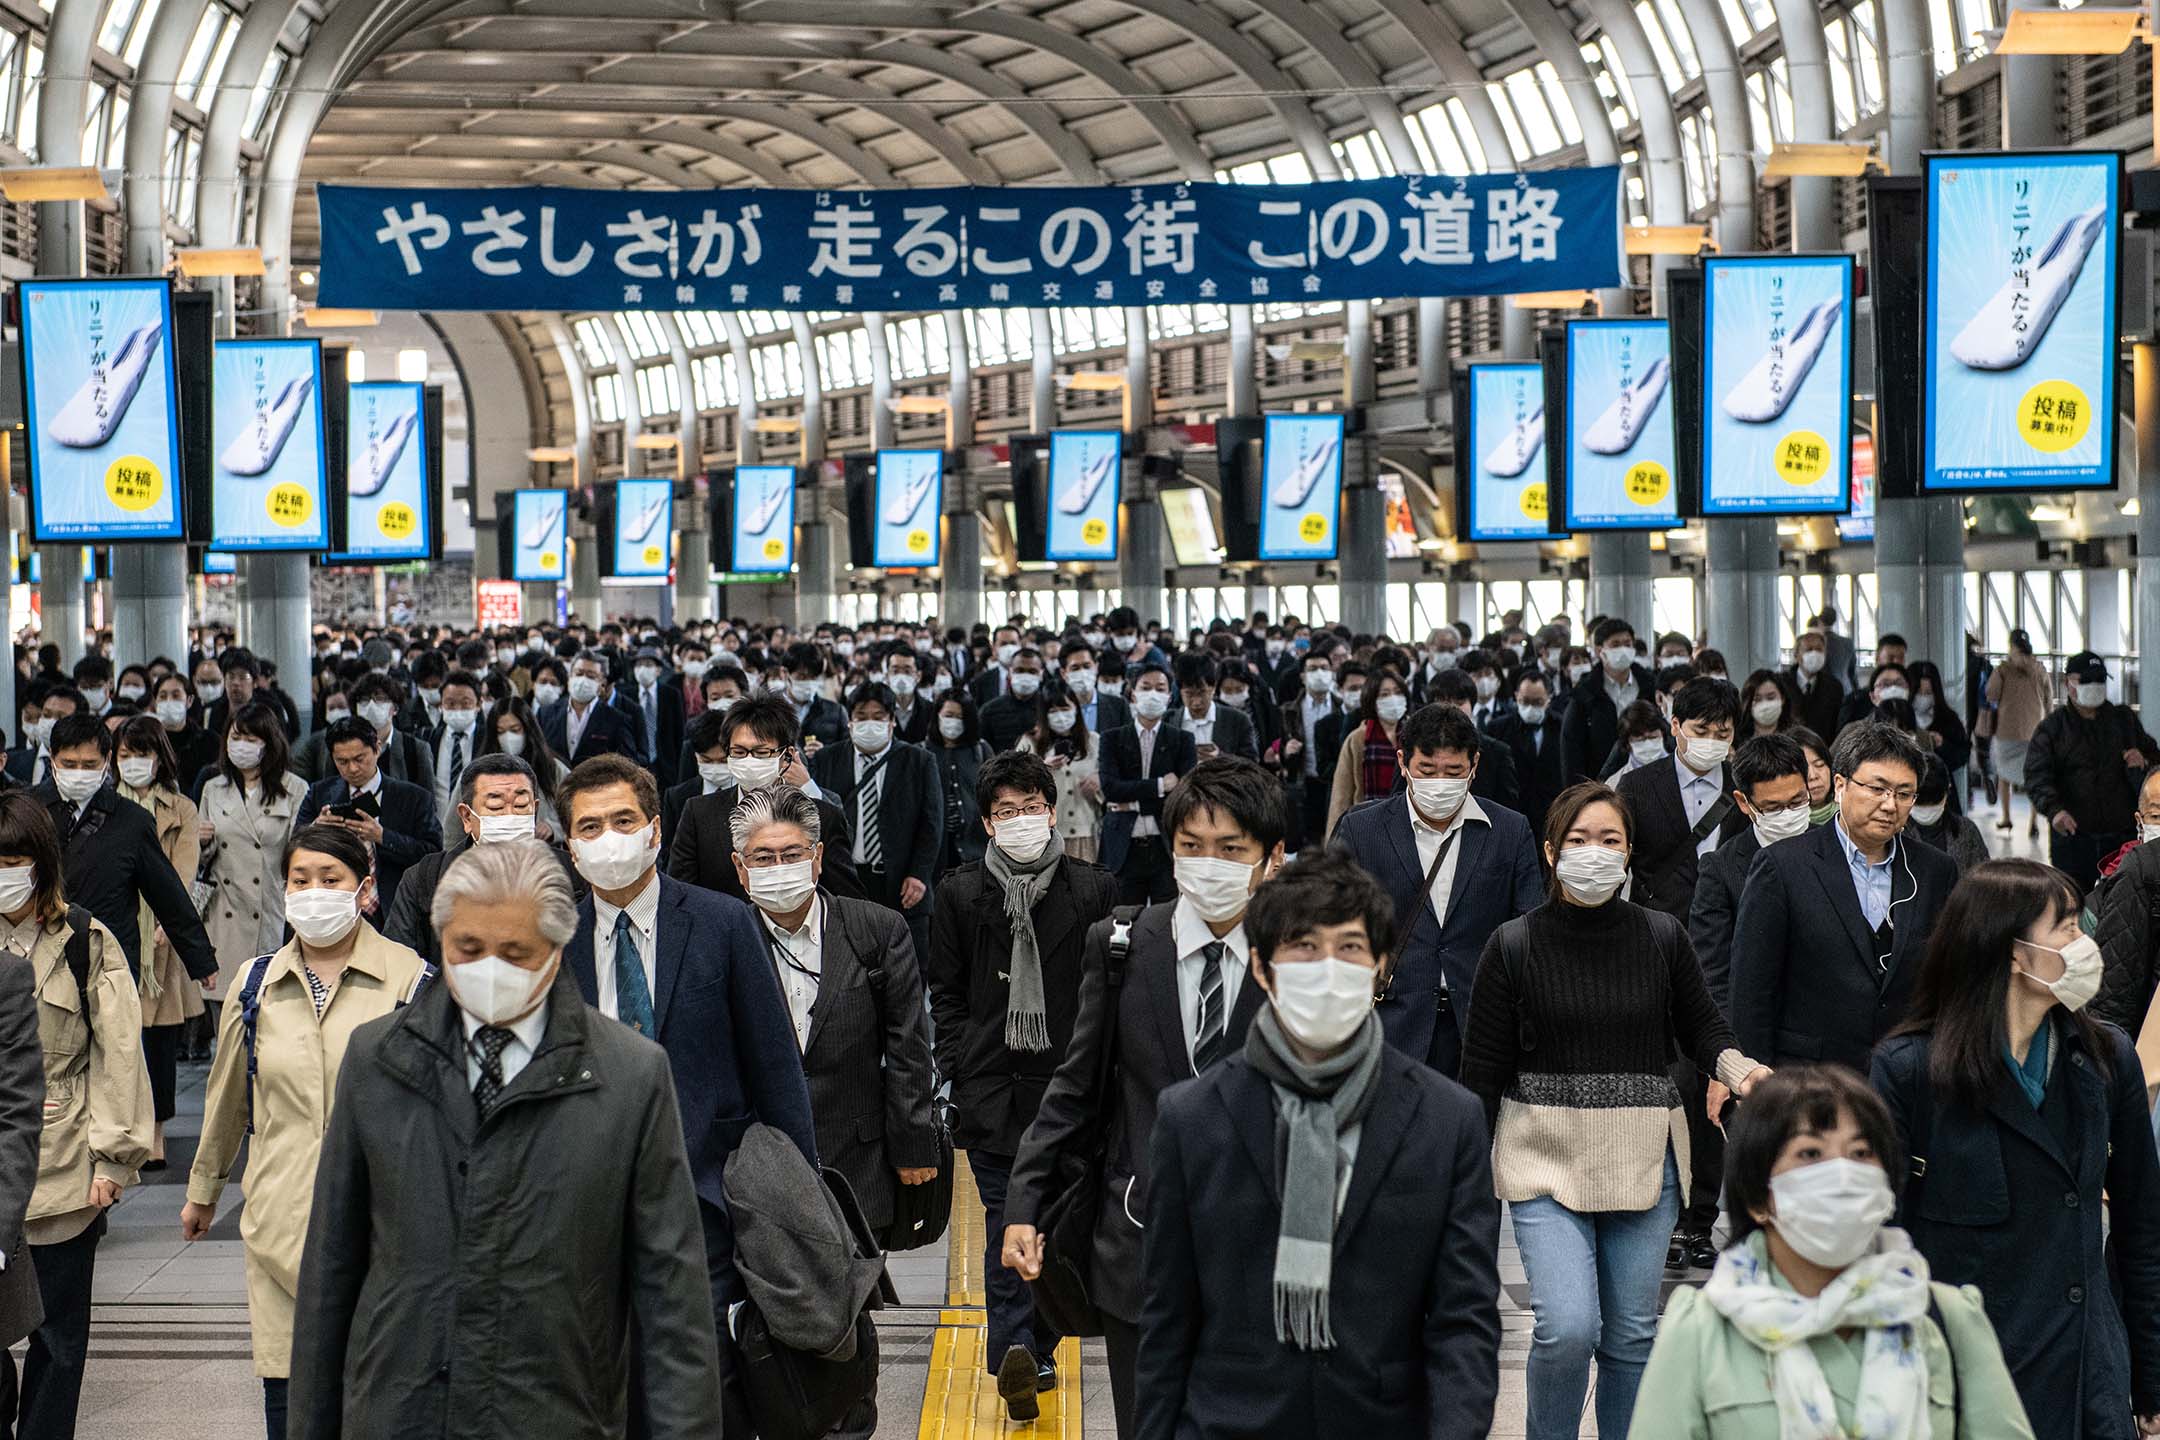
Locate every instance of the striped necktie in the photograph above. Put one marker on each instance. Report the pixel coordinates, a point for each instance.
(1208, 1034)
(869, 792)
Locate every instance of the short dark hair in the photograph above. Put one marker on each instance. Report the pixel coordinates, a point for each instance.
(1451, 687)
(27, 829)
(147, 734)
(602, 771)
(1569, 804)
(806, 658)
(1808, 741)
(707, 730)
(871, 692)
(1196, 668)
(350, 730)
(1763, 758)
(81, 728)
(1314, 890)
(768, 717)
(1610, 626)
(1888, 638)
(1799, 1099)
(1234, 787)
(1935, 781)
(1707, 701)
(1430, 729)
(1641, 718)
(498, 763)
(336, 841)
(466, 678)
(237, 661)
(1474, 659)
(1020, 770)
(1872, 740)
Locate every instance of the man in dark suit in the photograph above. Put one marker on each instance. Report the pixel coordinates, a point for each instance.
(892, 796)
(496, 800)
(397, 820)
(1183, 1002)
(816, 718)
(1833, 925)
(688, 969)
(32, 762)
(707, 773)
(1821, 694)
(1769, 780)
(757, 737)
(583, 723)
(1496, 781)
(914, 713)
(1216, 729)
(1100, 711)
(1683, 807)
(654, 703)
(1241, 1188)
(995, 679)
(1140, 764)
(1005, 718)
(1531, 734)
(1312, 740)
(22, 1122)
(1592, 723)
(112, 862)
(1002, 1024)
(1455, 867)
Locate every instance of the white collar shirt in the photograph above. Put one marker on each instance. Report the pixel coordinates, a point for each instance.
(644, 913)
(1192, 937)
(524, 1043)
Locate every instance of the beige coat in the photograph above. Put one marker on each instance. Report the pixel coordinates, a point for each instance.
(246, 917)
(296, 1071)
(2020, 691)
(170, 997)
(1078, 816)
(97, 1088)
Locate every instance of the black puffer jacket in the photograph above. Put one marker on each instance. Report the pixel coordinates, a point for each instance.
(2076, 764)
(2128, 905)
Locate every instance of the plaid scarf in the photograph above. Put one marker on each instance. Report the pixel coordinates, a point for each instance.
(1380, 762)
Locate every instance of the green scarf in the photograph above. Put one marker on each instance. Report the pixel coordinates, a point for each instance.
(1316, 1104)
(1027, 1018)
(1822, 814)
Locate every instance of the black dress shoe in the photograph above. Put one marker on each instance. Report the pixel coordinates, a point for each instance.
(1702, 1252)
(1045, 1375)
(1676, 1252)
(1018, 1377)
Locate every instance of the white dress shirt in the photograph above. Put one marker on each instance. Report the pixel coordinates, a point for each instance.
(1623, 691)
(1429, 839)
(1697, 794)
(524, 1044)
(862, 765)
(1312, 712)
(373, 786)
(1203, 728)
(644, 913)
(574, 723)
(1147, 731)
(1191, 935)
(804, 946)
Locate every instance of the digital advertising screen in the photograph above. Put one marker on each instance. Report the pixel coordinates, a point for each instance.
(387, 486)
(910, 498)
(1301, 460)
(272, 465)
(100, 403)
(1859, 522)
(1619, 430)
(764, 511)
(644, 528)
(2020, 321)
(1503, 453)
(1084, 480)
(542, 521)
(220, 562)
(1777, 385)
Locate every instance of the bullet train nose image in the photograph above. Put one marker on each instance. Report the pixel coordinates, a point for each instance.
(542, 528)
(761, 514)
(1081, 492)
(2006, 332)
(256, 449)
(1516, 449)
(1770, 384)
(94, 412)
(381, 458)
(1300, 481)
(1617, 430)
(903, 506)
(640, 525)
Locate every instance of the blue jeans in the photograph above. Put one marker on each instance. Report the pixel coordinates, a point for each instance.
(1594, 1284)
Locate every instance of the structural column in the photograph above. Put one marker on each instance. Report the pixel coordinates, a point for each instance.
(1362, 564)
(1140, 548)
(149, 604)
(60, 601)
(960, 588)
(693, 561)
(584, 572)
(816, 572)
(1620, 578)
(2145, 406)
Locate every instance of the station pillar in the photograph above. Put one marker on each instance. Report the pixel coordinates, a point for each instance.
(960, 592)
(1361, 566)
(60, 602)
(1140, 552)
(585, 604)
(2145, 406)
(1620, 579)
(1741, 613)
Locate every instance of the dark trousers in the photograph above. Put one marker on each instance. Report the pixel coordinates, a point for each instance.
(274, 1391)
(1706, 1151)
(1011, 1305)
(1147, 874)
(727, 1289)
(161, 1052)
(883, 887)
(1312, 808)
(1444, 1054)
(1122, 1340)
(53, 1373)
(2079, 855)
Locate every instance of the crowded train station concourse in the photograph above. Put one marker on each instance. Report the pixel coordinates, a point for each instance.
(1175, 719)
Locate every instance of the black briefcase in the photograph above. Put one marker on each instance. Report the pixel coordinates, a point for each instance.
(921, 1212)
(792, 1394)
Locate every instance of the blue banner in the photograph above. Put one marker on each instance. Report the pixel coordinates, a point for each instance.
(2020, 319)
(764, 541)
(1619, 433)
(541, 520)
(1083, 500)
(272, 474)
(1301, 463)
(387, 486)
(1777, 385)
(910, 500)
(537, 248)
(1503, 453)
(99, 397)
(644, 529)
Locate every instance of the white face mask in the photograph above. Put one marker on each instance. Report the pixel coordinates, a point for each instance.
(133, 692)
(1080, 682)
(1618, 658)
(494, 829)
(584, 689)
(1706, 755)
(1576, 672)
(1929, 814)
(1552, 659)
(1391, 707)
(777, 889)
(1319, 682)
(1274, 648)
(1671, 662)
(1646, 751)
(321, 916)
(209, 693)
(1591, 874)
(2148, 833)
(1218, 889)
(1812, 661)
(696, 669)
(547, 692)
(1923, 709)
(952, 727)
(462, 721)
(2081, 972)
(1776, 825)
(172, 714)
(245, 754)
(1061, 721)
(1025, 682)
(1531, 714)
(506, 657)
(2091, 697)
(870, 736)
(432, 699)
(1150, 704)
(902, 685)
(1321, 1003)
(715, 773)
(1892, 692)
(803, 691)
(76, 786)
(646, 674)
(1487, 686)
(1766, 712)
(617, 859)
(138, 771)
(1125, 643)
(496, 992)
(1830, 1212)
(95, 699)
(1438, 799)
(17, 884)
(512, 742)
(1024, 837)
(752, 773)
(1005, 654)
(377, 713)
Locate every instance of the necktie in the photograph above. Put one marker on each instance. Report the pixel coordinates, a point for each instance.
(633, 1002)
(652, 720)
(489, 1044)
(457, 756)
(1208, 1034)
(869, 792)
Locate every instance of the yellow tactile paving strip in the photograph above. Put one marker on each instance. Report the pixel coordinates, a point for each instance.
(960, 1399)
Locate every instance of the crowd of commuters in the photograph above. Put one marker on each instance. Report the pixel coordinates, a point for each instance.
(531, 965)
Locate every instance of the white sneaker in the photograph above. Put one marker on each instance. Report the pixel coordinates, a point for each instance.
(767, 508)
(380, 458)
(1299, 482)
(1990, 340)
(641, 524)
(907, 502)
(96, 410)
(257, 448)
(1513, 454)
(1616, 431)
(542, 529)
(1078, 495)
(1758, 399)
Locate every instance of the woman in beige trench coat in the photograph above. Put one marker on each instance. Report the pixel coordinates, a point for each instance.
(145, 771)
(247, 816)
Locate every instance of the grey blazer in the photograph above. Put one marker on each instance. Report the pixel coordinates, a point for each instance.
(22, 1119)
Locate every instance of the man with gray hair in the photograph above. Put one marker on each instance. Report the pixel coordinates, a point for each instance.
(504, 1201)
(497, 800)
(585, 723)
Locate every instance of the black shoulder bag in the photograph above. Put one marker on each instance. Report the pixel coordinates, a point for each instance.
(920, 1212)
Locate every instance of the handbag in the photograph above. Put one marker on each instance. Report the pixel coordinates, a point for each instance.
(920, 1212)
(1073, 1200)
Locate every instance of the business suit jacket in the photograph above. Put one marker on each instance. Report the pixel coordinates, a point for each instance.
(911, 808)
(719, 1014)
(1592, 723)
(410, 831)
(702, 852)
(1005, 718)
(668, 702)
(1805, 984)
(1665, 860)
(824, 721)
(986, 685)
(1819, 706)
(1123, 783)
(22, 1122)
(609, 731)
(672, 801)
(1234, 733)
(1292, 722)
(22, 764)
(1413, 1300)
(1496, 879)
(1151, 1056)
(867, 1061)
(1717, 904)
(1540, 765)
(408, 919)
(1111, 712)
(918, 722)
(112, 865)
(1497, 779)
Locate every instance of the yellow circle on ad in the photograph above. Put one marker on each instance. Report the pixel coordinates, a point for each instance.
(2054, 415)
(918, 542)
(1648, 483)
(133, 483)
(1533, 500)
(1313, 528)
(774, 549)
(396, 520)
(549, 559)
(1803, 458)
(1095, 531)
(288, 504)
(652, 555)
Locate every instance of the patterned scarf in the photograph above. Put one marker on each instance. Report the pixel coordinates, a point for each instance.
(1380, 762)
(1027, 1018)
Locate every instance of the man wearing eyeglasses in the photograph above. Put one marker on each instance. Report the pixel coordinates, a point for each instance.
(1832, 924)
(756, 740)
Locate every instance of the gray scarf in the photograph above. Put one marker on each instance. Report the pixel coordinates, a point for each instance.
(1027, 1021)
(1316, 1104)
